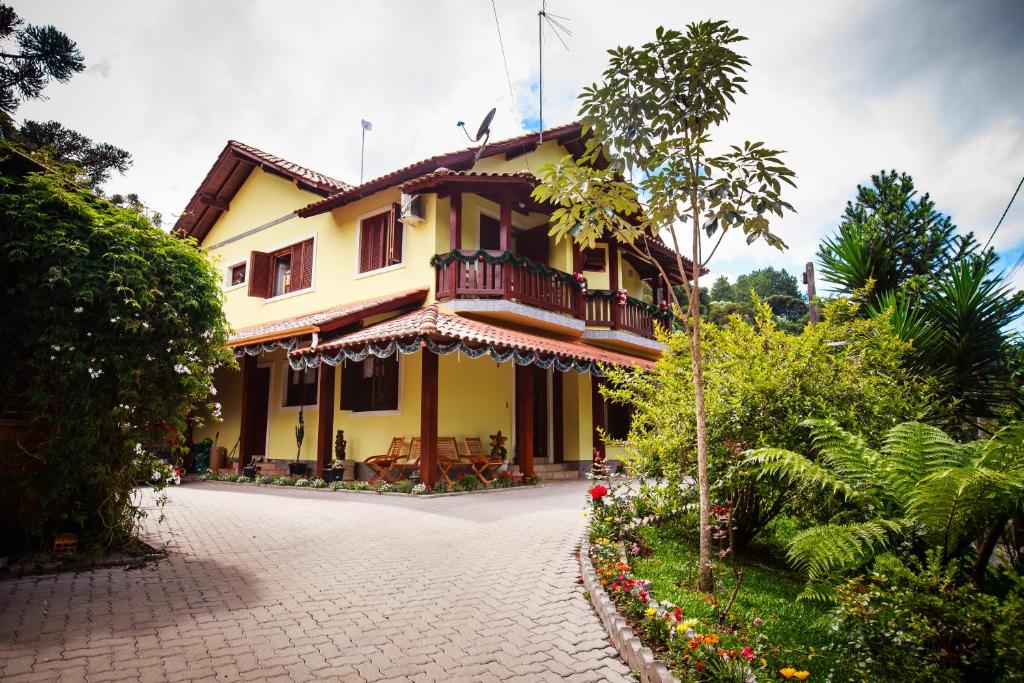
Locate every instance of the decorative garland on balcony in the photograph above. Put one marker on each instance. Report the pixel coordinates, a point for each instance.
(266, 347)
(663, 312)
(481, 256)
(500, 355)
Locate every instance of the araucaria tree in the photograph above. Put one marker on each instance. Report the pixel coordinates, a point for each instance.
(650, 170)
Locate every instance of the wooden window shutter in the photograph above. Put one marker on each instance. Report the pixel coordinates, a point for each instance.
(351, 385)
(302, 266)
(372, 243)
(395, 236)
(259, 275)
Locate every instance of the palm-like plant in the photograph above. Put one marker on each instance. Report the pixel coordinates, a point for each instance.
(921, 490)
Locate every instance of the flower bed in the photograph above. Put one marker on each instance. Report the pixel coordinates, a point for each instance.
(693, 648)
(467, 484)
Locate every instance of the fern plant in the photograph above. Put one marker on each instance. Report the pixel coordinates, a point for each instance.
(921, 490)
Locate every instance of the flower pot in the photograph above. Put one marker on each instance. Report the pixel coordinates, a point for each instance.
(249, 471)
(330, 475)
(297, 469)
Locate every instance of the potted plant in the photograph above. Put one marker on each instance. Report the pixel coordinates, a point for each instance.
(298, 468)
(336, 472)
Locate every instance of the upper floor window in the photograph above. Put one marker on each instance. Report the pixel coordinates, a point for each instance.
(283, 271)
(301, 389)
(371, 384)
(594, 259)
(236, 274)
(490, 232)
(381, 239)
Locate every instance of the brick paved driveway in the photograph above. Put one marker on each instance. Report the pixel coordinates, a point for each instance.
(300, 585)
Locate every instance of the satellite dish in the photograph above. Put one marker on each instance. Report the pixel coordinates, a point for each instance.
(484, 131)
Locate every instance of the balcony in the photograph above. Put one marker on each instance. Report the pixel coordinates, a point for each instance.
(521, 290)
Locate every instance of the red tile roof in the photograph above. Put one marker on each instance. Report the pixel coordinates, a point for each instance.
(440, 326)
(327, 319)
(443, 173)
(234, 164)
(462, 158)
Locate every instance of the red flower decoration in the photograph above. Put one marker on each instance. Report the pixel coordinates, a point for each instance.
(598, 492)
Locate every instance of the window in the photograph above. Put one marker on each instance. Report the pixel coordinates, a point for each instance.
(301, 390)
(281, 272)
(380, 240)
(490, 232)
(619, 420)
(236, 275)
(594, 259)
(370, 385)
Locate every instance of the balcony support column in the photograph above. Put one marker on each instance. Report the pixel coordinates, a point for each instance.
(505, 222)
(454, 241)
(428, 418)
(613, 280)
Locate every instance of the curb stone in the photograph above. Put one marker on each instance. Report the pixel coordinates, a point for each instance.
(639, 658)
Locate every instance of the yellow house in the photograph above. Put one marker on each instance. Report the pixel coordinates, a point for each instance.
(429, 302)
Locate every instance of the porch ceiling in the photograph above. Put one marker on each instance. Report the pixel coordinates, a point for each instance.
(432, 325)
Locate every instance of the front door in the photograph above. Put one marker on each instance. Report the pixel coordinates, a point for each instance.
(541, 421)
(256, 420)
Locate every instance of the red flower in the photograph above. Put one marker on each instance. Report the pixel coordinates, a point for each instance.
(598, 492)
(748, 653)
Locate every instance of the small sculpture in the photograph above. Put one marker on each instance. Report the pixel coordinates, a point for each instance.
(339, 445)
(498, 449)
(599, 470)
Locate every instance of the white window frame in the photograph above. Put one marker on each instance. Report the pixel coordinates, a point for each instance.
(227, 275)
(312, 279)
(359, 245)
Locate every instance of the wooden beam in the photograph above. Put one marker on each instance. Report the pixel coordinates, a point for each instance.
(455, 222)
(524, 418)
(325, 422)
(213, 201)
(428, 419)
(597, 412)
(248, 377)
(505, 222)
(557, 418)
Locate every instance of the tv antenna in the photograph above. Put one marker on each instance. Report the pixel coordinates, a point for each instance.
(484, 131)
(554, 22)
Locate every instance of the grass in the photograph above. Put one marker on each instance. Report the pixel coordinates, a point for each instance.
(798, 631)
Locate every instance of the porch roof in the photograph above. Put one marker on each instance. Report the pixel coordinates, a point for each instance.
(325, 320)
(445, 332)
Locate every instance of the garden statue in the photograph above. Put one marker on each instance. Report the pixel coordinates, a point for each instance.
(498, 449)
(300, 434)
(599, 470)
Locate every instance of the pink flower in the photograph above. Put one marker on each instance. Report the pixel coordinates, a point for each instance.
(747, 653)
(758, 621)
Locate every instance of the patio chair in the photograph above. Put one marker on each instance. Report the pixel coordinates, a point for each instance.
(382, 464)
(448, 457)
(411, 463)
(481, 462)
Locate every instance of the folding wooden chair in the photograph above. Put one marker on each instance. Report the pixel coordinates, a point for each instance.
(480, 461)
(382, 464)
(411, 463)
(448, 457)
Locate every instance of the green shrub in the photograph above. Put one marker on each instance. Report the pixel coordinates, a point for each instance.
(262, 480)
(230, 477)
(207, 475)
(403, 486)
(441, 487)
(468, 483)
(922, 622)
(385, 487)
(504, 480)
(242, 479)
(360, 486)
(302, 481)
(531, 480)
(337, 485)
(318, 484)
(284, 481)
(419, 489)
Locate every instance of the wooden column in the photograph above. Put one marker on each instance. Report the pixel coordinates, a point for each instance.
(454, 241)
(505, 222)
(248, 376)
(557, 418)
(325, 417)
(428, 418)
(597, 413)
(813, 315)
(524, 418)
(613, 280)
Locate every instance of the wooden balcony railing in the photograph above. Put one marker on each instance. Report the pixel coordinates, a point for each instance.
(524, 281)
(521, 280)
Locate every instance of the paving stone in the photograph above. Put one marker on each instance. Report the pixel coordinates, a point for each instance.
(292, 585)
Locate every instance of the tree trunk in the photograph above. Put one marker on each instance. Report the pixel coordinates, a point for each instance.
(707, 582)
(986, 546)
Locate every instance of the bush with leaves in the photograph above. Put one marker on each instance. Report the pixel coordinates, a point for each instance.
(761, 383)
(112, 329)
(920, 493)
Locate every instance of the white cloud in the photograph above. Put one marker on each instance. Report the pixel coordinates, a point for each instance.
(847, 88)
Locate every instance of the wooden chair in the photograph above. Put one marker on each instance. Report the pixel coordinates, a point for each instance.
(448, 457)
(481, 462)
(411, 463)
(382, 464)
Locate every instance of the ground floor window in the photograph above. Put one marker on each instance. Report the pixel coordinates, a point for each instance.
(370, 384)
(619, 420)
(302, 385)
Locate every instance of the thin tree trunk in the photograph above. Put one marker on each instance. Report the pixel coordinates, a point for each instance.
(986, 547)
(707, 582)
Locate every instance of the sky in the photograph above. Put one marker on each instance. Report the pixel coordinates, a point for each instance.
(933, 88)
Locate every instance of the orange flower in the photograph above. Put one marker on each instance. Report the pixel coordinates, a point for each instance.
(801, 675)
(711, 639)
(788, 672)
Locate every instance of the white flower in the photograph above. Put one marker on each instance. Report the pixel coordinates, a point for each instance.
(95, 373)
(78, 309)
(139, 450)
(55, 347)
(182, 369)
(149, 357)
(113, 320)
(213, 390)
(145, 325)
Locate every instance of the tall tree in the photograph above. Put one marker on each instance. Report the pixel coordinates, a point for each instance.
(722, 290)
(96, 160)
(766, 282)
(41, 54)
(649, 169)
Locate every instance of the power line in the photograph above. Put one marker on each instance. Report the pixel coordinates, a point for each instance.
(1004, 213)
(501, 43)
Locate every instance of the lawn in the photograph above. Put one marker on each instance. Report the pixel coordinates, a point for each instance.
(799, 632)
